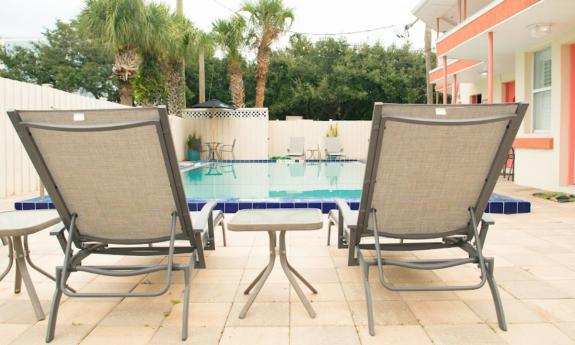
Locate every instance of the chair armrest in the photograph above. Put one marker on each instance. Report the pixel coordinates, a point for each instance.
(204, 216)
(57, 232)
(487, 219)
(344, 210)
(61, 237)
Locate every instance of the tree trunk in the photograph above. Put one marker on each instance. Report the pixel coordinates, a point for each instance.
(126, 64)
(201, 76)
(263, 64)
(427, 50)
(126, 92)
(175, 93)
(236, 84)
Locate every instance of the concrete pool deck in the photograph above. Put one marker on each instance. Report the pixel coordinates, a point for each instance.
(534, 266)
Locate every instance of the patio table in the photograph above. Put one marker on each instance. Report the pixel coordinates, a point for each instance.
(15, 226)
(212, 149)
(282, 220)
(313, 153)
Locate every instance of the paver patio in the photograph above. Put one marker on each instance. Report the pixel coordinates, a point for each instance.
(535, 268)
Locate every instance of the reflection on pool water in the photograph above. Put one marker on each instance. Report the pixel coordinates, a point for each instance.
(282, 179)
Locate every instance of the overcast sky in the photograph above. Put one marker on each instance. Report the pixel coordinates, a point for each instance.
(28, 19)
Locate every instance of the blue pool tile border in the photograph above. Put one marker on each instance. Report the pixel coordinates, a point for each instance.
(497, 204)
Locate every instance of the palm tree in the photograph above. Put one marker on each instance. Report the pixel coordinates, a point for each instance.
(204, 46)
(229, 35)
(179, 45)
(125, 27)
(268, 19)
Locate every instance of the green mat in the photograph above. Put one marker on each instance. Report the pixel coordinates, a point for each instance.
(556, 196)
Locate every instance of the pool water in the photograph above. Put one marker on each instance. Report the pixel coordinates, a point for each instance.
(282, 179)
(268, 184)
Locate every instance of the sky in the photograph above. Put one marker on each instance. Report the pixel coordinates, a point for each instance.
(311, 16)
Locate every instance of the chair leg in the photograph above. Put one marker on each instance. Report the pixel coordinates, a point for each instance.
(328, 233)
(489, 263)
(351, 250)
(54, 307)
(7, 241)
(340, 235)
(368, 298)
(201, 263)
(186, 306)
(224, 233)
(211, 245)
(24, 275)
(18, 280)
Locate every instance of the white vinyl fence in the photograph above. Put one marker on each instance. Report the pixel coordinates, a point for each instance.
(256, 136)
(17, 175)
(354, 136)
(249, 126)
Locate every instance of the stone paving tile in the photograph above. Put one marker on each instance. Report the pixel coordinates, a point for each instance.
(212, 315)
(471, 334)
(324, 335)
(534, 334)
(385, 313)
(171, 335)
(65, 334)
(125, 335)
(534, 269)
(260, 314)
(11, 331)
(394, 335)
(328, 314)
(255, 336)
(442, 312)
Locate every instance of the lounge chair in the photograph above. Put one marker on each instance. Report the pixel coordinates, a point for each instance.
(227, 148)
(114, 179)
(333, 149)
(335, 218)
(427, 182)
(296, 147)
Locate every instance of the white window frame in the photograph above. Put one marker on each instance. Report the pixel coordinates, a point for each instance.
(541, 89)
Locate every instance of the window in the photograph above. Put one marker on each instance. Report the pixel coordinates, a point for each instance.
(542, 90)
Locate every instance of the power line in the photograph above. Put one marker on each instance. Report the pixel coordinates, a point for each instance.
(343, 33)
(379, 28)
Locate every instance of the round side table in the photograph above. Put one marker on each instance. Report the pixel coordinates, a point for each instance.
(15, 226)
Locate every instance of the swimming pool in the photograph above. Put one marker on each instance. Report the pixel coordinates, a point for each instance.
(259, 184)
(282, 179)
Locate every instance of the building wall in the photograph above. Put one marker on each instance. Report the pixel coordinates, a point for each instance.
(546, 169)
(17, 175)
(541, 168)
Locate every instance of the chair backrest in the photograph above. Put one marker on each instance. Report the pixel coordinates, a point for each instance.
(296, 145)
(428, 165)
(234, 144)
(332, 145)
(116, 169)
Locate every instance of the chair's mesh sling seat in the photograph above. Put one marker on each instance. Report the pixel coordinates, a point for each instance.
(114, 179)
(429, 175)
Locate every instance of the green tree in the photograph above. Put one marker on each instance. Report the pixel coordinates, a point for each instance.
(65, 60)
(179, 44)
(127, 28)
(230, 36)
(150, 83)
(268, 19)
